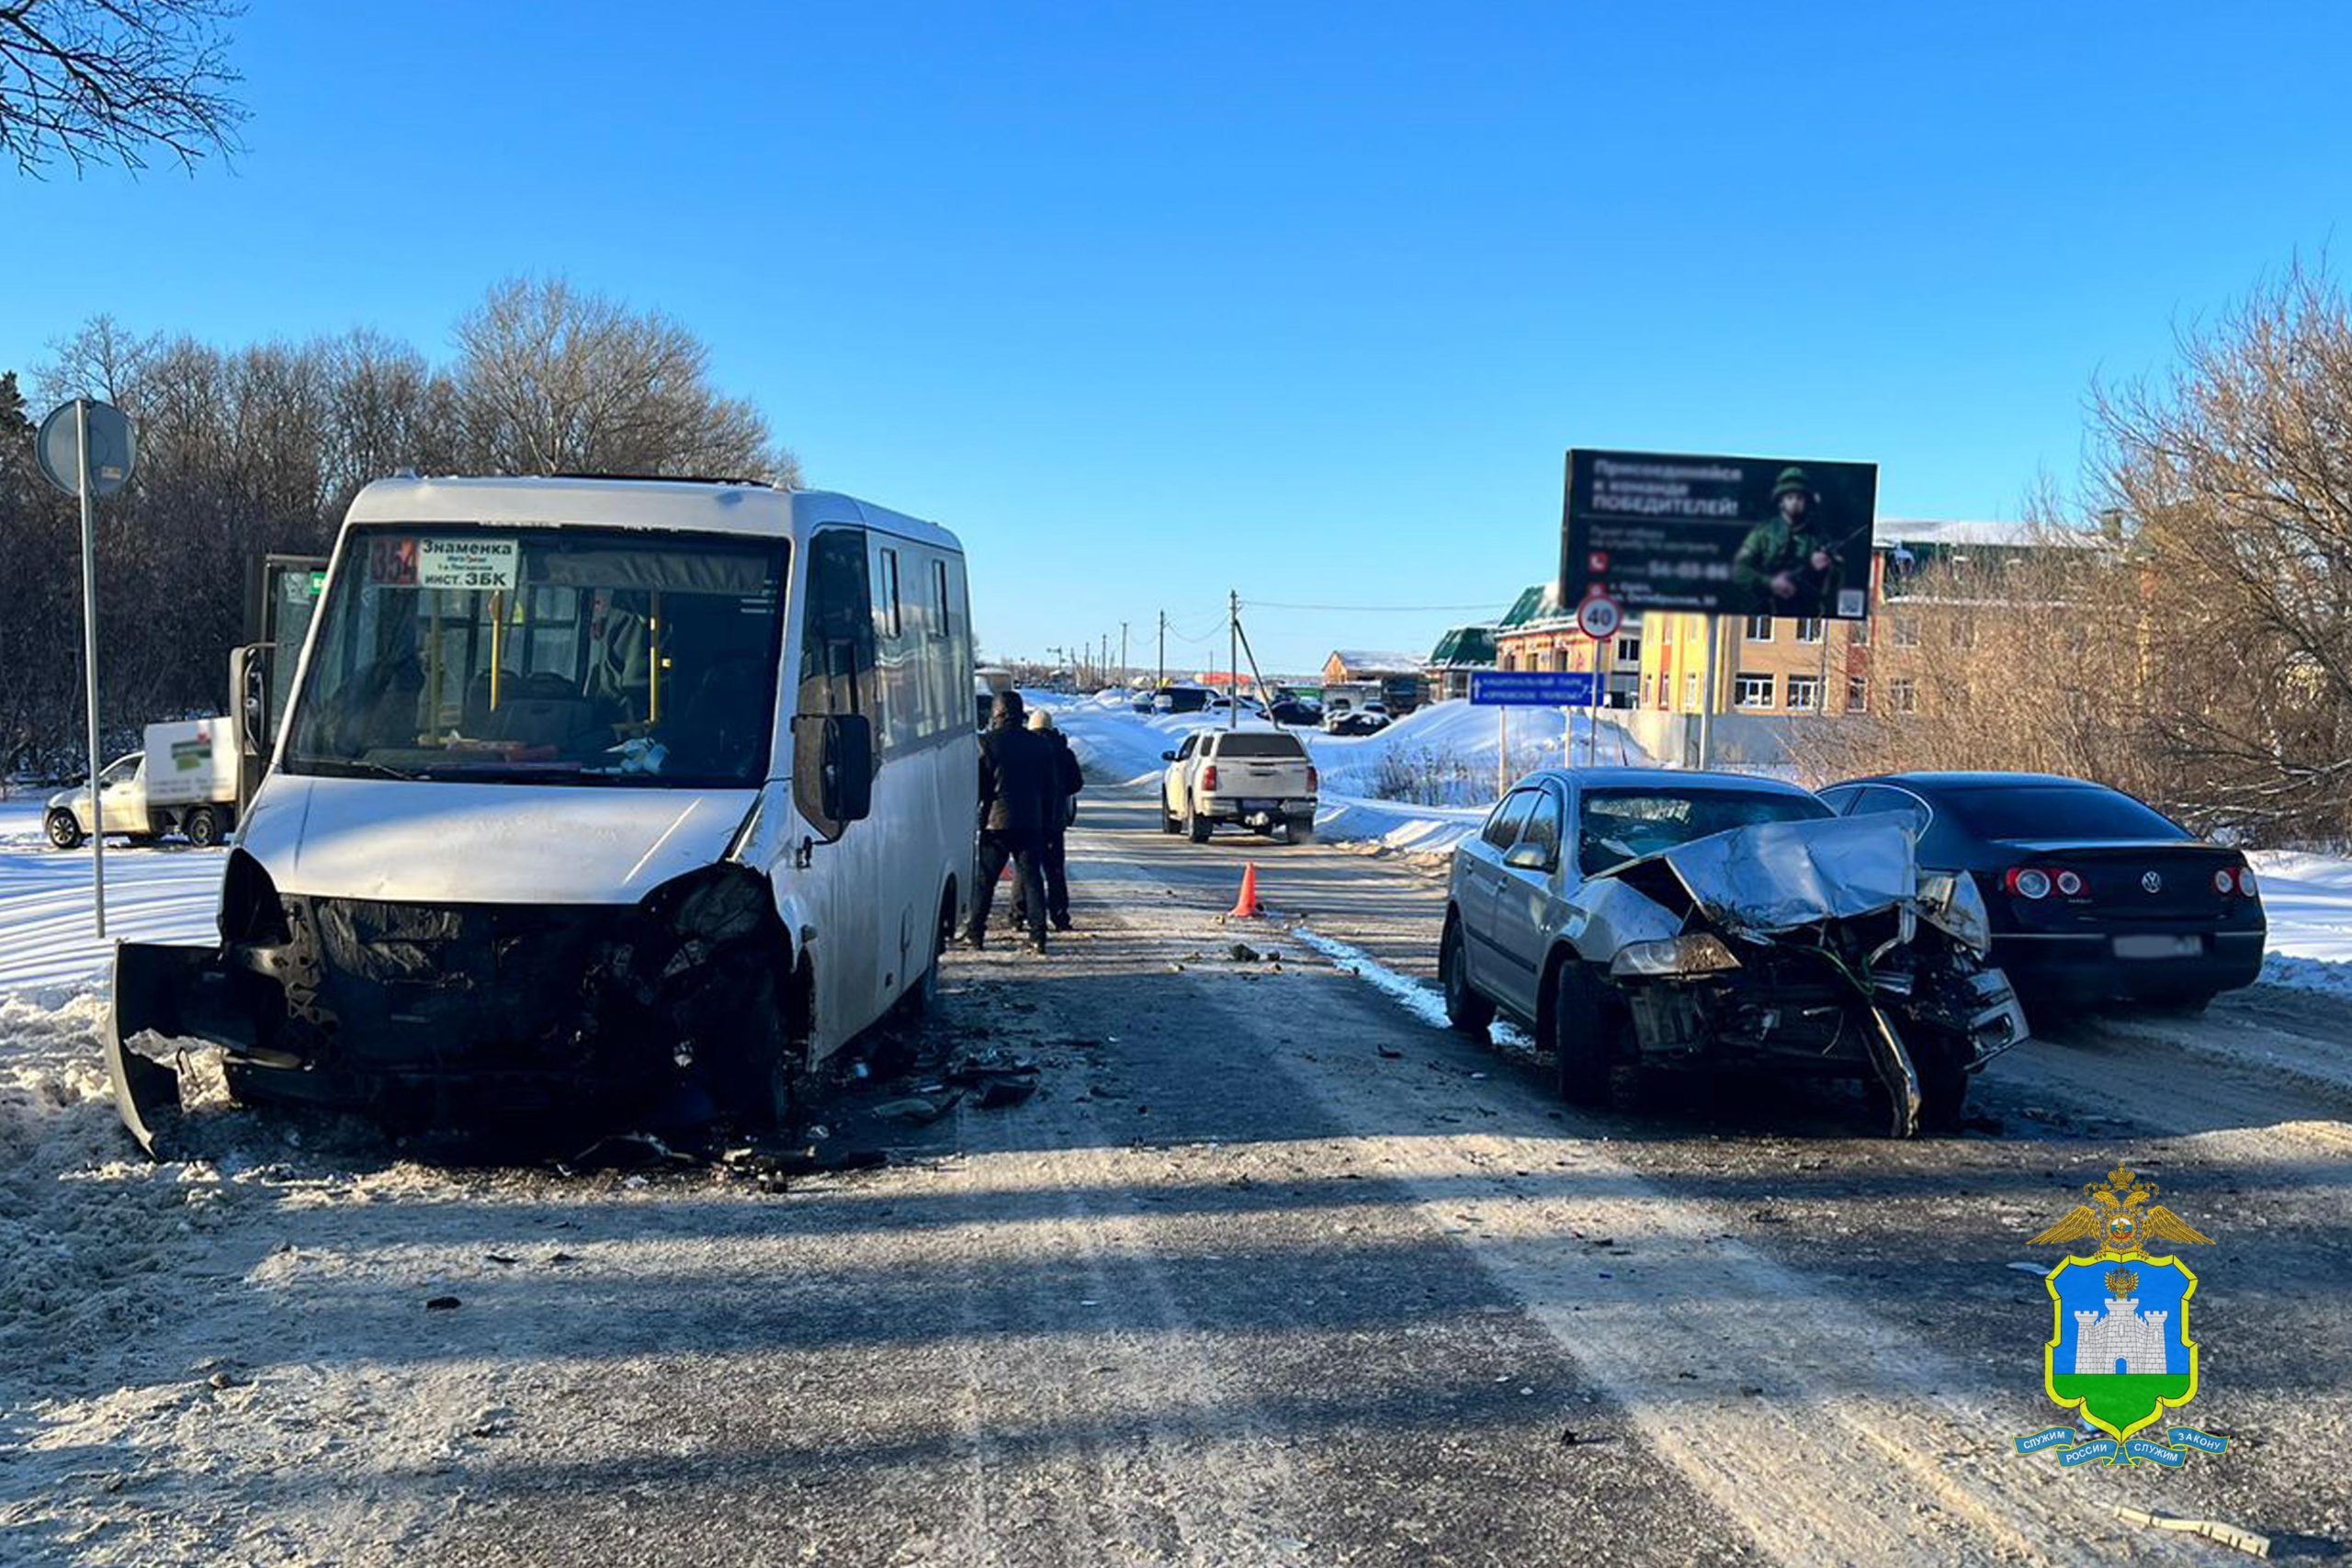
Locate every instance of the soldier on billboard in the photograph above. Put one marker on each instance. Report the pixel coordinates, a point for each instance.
(1788, 565)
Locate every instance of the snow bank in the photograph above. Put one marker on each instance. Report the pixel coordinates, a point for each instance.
(1444, 755)
(2308, 901)
(1416, 829)
(1448, 753)
(1116, 744)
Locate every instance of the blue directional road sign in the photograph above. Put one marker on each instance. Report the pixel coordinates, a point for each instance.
(1532, 688)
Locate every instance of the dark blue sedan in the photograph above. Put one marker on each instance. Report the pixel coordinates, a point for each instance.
(2094, 896)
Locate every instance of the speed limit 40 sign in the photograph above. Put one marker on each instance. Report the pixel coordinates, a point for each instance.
(1599, 618)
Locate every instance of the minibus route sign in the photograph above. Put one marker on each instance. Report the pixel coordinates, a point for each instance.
(468, 563)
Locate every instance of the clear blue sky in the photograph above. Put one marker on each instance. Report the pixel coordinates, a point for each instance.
(1303, 300)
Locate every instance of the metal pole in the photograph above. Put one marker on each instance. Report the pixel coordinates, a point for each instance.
(1707, 701)
(1163, 681)
(1123, 654)
(90, 656)
(1503, 752)
(1592, 722)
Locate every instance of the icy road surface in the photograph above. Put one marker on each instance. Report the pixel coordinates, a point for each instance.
(1267, 1272)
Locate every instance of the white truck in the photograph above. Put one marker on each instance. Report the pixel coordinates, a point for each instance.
(1256, 778)
(184, 782)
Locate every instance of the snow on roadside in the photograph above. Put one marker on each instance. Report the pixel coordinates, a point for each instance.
(164, 893)
(1120, 744)
(1392, 825)
(2308, 901)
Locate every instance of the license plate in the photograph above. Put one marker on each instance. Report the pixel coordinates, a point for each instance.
(2159, 946)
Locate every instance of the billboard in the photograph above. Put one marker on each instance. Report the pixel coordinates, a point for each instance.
(1780, 536)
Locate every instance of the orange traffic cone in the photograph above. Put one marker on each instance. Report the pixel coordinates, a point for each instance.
(1246, 907)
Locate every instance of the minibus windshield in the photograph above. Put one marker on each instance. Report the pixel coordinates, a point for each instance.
(544, 656)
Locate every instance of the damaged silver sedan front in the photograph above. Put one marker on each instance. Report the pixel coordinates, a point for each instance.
(1643, 921)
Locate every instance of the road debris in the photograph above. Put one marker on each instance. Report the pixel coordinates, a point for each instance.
(913, 1109)
(2244, 1540)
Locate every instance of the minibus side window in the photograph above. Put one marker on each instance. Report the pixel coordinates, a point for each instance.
(837, 646)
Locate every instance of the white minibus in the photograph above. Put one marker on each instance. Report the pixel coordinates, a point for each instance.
(593, 793)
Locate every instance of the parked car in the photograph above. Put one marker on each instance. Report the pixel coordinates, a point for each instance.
(1642, 918)
(185, 781)
(1255, 778)
(1143, 702)
(1296, 712)
(1180, 699)
(2094, 896)
(1370, 719)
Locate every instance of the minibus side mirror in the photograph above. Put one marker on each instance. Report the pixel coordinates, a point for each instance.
(849, 738)
(833, 770)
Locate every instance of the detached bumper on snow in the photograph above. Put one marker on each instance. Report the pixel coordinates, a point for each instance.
(451, 1012)
(1816, 945)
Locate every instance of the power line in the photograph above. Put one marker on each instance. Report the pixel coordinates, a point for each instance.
(1372, 609)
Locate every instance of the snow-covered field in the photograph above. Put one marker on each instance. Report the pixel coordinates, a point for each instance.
(163, 893)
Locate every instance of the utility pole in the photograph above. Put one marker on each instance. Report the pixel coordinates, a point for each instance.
(1163, 650)
(1233, 658)
(1122, 653)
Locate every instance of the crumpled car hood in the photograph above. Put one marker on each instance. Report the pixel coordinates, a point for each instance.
(1779, 876)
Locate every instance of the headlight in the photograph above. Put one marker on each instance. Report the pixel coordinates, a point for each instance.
(1701, 954)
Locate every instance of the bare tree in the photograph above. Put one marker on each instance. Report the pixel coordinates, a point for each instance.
(2234, 475)
(553, 380)
(115, 80)
(2202, 656)
(260, 448)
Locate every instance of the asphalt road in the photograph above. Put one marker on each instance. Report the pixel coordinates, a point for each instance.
(1268, 1270)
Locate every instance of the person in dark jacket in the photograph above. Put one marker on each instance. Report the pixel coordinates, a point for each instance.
(1020, 792)
(1052, 859)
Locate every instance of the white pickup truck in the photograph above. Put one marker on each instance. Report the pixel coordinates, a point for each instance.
(1255, 778)
(185, 781)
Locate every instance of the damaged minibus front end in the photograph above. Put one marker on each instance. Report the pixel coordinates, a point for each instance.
(1812, 946)
(429, 1011)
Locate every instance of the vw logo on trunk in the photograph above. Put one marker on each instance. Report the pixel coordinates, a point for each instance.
(2152, 882)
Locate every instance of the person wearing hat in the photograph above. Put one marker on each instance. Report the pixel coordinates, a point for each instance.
(1787, 565)
(1053, 855)
(1020, 791)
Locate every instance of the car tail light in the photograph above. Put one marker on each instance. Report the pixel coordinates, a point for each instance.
(2246, 881)
(2071, 884)
(2026, 882)
(1208, 777)
(1314, 780)
(2225, 880)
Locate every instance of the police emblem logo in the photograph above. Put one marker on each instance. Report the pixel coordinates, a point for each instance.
(2120, 1356)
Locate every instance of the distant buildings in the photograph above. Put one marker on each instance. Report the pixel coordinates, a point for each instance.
(1397, 681)
(1768, 672)
(1461, 651)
